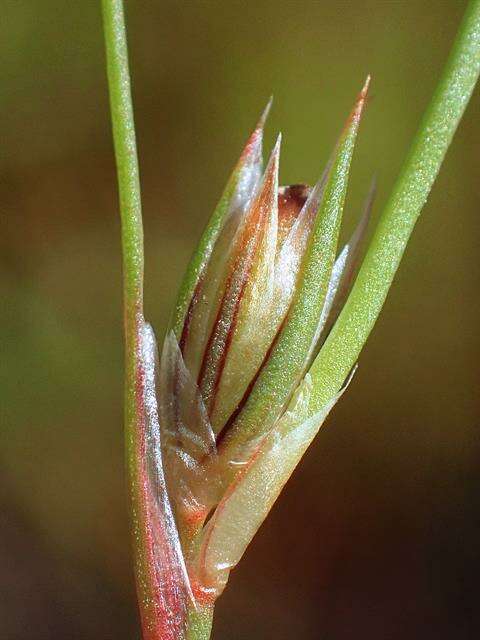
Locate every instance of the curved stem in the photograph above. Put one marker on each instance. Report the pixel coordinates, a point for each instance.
(410, 193)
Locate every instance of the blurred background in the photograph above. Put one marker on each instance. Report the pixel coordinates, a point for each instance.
(377, 534)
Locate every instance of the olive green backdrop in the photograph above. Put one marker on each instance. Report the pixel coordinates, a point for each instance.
(377, 535)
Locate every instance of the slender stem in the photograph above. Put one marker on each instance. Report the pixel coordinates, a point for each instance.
(132, 250)
(125, 152)
(410, 193)
(198, 624)
(130, 208)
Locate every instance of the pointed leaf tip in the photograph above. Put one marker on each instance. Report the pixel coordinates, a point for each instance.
(254, 142)
(270, 177)
(265, 114)
(360, 103)
(275, 155)
(367, 84)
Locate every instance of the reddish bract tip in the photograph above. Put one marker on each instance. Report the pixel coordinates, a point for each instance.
(254, 143)
(355, 114)
(270, 180)
(265, 113)
(267, 194)
(360, 103)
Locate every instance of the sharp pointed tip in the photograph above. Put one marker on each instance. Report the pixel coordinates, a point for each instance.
(363, 95)
(366, 85)
(275, 154)
(318, 187)
(270, 177)
(371, 195)
(312, 203)
(265, 113)
(253, 148)
(359, 104)
(317, 190)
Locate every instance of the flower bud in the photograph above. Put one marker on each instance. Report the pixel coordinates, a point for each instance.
(234, 391)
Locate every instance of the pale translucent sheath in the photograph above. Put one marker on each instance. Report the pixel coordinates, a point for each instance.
(250, 497)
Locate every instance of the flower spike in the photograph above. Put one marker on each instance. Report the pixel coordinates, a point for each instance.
(233, 384)
(286, 363)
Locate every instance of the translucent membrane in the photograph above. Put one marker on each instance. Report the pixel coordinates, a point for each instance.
(266, 302)
(188, 442)
(250, 497)
(208, 280)
(163, 559)
(251, 265)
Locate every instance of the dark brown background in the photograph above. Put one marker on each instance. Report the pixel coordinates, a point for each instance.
(377, 535)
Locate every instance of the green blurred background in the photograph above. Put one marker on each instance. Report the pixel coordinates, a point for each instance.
(377, 534)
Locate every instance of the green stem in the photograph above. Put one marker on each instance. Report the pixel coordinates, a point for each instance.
(130, 209)
(199, 620)
(132, 252)
(402, 210)
(199, 623)
(125, 152)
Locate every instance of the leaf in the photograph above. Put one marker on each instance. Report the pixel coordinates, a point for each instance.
(402, 209)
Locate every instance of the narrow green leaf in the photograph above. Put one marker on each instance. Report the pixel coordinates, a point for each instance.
(401, 212)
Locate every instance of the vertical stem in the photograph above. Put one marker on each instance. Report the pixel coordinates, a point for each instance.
(350, 332)
(132, 252)
(155, 600)
(130, 211)
(126, 155)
